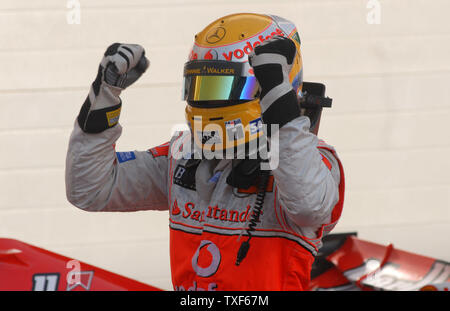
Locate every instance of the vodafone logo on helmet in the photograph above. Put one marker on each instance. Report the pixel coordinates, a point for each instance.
(250, 45)
(236, 51)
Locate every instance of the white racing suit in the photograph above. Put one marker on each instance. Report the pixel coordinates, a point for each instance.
(303, 202)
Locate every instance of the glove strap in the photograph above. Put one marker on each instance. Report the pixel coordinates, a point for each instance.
(96, 121)
(283, 110)
(275, 109)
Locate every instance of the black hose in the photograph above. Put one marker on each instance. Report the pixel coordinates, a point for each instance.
(254, 218)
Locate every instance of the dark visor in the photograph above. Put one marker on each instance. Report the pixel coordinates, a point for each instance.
(217, 80)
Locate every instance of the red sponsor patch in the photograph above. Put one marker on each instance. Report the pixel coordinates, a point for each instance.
(159, 151)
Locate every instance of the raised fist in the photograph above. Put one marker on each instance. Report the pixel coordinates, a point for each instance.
(120, 67)
(124, 64)
(272, 62)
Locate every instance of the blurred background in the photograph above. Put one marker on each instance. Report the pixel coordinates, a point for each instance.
(385, 63)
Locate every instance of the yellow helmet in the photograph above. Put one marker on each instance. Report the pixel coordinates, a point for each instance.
(220, 88)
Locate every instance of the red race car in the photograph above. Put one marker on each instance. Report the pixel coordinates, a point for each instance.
(348, 263)
(24, 267)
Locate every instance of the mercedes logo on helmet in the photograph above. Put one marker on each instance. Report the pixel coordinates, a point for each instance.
(215, 35)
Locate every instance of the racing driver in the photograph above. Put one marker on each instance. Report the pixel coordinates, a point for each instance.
(238, 220)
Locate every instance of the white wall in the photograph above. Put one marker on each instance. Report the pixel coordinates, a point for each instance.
(390, 120)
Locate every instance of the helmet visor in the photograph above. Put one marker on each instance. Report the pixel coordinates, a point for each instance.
(217, 80)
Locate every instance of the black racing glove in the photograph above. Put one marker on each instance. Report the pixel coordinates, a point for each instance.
(272, 61)
(120, 67)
